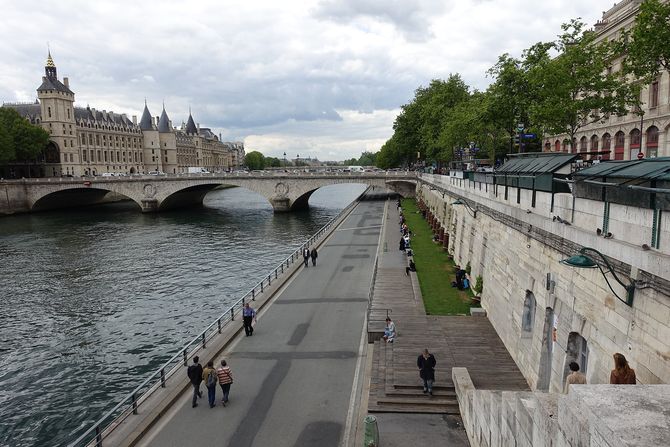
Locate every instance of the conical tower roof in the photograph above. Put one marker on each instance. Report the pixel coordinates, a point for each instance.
(164, 122)
(191, 128)
(145, 122)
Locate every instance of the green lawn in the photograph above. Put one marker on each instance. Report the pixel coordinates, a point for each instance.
(434, 268)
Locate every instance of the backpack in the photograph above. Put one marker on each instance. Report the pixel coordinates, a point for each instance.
(211, 379)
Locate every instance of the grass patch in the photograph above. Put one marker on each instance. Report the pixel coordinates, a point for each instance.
(434, 268)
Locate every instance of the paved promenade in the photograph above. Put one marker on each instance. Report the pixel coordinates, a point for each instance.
(294, 377)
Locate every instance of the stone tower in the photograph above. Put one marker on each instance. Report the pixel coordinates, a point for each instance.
(56, 106)
(167, 138)
(152, 145)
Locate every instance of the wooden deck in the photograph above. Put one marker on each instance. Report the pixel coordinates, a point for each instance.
(461, 341)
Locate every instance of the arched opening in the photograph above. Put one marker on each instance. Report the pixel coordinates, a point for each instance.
(566, 143)
(583, 144)
(546, 351)
(557, 146)
(635, 139)
(594, 143)
(132, 170)
(528, 316)
(76, 197)
(547, 146)
(652, 142)
(619, 143)
(607, 142)
(577, 351)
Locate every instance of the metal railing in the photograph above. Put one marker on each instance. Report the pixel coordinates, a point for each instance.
(130, 403)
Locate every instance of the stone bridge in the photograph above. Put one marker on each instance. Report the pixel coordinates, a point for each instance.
(285, 192)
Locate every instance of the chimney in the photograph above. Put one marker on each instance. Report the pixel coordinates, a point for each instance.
(135, 120)
(44, 78)
(170, 124)
(154, 120)
(66, 81)
(198, 127)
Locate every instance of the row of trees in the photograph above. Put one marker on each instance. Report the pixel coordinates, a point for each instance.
(556, 87)
(19, 140)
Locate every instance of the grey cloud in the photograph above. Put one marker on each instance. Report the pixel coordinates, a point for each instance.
(411, 17)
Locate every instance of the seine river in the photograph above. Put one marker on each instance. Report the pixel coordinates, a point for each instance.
(92, 300)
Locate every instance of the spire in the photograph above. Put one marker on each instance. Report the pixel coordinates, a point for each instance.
(145, 122)
(191, 128)
(164, 122)
(50, 68)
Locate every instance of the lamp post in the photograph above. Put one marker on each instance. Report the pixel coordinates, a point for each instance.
(284, 159)
(470, 209)
(583, 261)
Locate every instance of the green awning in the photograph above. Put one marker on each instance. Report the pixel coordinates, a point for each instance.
(646, 169)
(536, 164)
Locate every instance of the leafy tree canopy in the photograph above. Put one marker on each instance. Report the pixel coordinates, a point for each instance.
(254, 160)
(19, 140)
(647, 45)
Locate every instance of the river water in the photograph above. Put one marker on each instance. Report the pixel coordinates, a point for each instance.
(92, 300)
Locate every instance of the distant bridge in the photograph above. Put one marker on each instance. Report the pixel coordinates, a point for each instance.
(284, 191)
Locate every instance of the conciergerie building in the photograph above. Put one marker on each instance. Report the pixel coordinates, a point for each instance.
(86, 141)
(626, 136)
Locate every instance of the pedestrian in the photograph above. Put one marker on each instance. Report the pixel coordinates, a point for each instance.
(194, 373)
(575, 377)
(210, 378)
(622, 374)
(389, 331)
(426, 364)
(410, 268)
(402, 244)
(225, 380)
(248, 316)
(313, 254)
(305, 256)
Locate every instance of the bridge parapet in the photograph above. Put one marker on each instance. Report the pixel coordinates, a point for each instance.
(286, 191)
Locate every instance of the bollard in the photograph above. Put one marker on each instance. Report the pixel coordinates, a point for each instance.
(371, 432)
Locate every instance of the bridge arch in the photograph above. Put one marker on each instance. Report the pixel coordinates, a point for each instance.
(74, 197)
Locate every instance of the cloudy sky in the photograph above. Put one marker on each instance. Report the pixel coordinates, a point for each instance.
(316, 78)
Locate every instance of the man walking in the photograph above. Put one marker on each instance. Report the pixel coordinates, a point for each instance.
(313, 254)
(575, 377)
(426, 364)
(248, 315)
(305, 256)
(194, 373)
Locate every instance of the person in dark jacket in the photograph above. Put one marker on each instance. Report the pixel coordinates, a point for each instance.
(305, 256)
(426, 364)
(313, 254)
(194, 373)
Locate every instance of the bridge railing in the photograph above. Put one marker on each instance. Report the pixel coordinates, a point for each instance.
(131, 177)
(129, 404)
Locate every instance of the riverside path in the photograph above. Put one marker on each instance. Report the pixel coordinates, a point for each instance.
(295, 377)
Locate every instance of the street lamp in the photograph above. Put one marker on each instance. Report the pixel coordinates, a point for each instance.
(583, 261)
(471, 210)
(284, 159)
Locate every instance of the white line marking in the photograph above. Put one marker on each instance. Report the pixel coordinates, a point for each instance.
(359, 228)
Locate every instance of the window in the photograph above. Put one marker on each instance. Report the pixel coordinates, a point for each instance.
(652, 141)
(635, 138)
(528, 316)
(582, 145)
(83, 156)
(619, 141)
(594, 143)
(557, 146)
(577, 351)
(49, 111)
(68, 114)
(653, 95)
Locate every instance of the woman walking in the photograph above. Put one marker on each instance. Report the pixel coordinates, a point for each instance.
(313, 254)
(225, 380)
(210, 378)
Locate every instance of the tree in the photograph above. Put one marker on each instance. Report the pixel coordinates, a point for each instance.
(254, 160)
(646, 45)
(367, 159)
(273, 162)
(19, 140)
(575, 88)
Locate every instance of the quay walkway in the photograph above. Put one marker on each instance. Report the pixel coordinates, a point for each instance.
(296, 379)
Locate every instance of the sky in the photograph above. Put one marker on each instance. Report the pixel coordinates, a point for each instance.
(321, 79)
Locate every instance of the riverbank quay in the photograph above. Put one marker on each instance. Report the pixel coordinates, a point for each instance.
(404, 413)
(150, 404)
(293, 378)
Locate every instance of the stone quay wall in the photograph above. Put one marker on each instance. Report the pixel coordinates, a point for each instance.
(548, 314)
(589, 415)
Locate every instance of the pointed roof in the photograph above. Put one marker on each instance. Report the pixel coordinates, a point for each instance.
(145, 122)
(164, 122)
(50, 61)
(191, 128)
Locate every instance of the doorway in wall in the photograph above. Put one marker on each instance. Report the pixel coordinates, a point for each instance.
(546, 352)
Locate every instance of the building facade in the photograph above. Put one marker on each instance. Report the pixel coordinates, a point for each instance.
(86, 141)
(626, 136)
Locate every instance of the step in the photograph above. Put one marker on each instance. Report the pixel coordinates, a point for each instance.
(426, 409)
